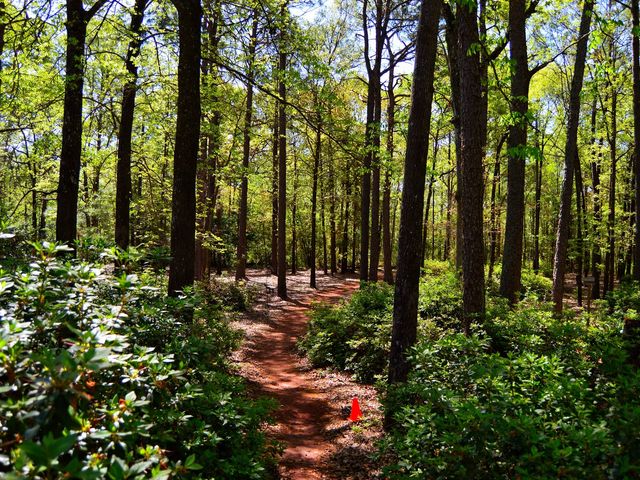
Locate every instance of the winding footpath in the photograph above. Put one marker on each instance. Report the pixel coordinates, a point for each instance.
(308, 416)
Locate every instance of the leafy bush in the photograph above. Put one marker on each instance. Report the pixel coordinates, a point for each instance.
(537, 397)
(535, 286)
(101, 378)
(236, 296)
(440, 300)
(354, 336)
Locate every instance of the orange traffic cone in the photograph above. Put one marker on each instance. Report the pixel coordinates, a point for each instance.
(356, 413)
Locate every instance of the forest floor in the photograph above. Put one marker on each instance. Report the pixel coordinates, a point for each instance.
(311, 422)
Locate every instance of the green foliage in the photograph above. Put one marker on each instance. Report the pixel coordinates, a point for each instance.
(532, 397)
(103, 378)
(534, 285)
(354, 336)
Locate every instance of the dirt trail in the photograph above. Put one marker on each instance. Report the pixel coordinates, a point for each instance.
(310, 414)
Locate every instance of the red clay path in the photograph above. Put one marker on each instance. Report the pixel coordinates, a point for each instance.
(306, 413)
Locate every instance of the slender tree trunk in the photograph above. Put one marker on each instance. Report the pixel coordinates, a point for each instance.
(325, 264)
(538, 205)
(375, 188)
(274, 194)
(332, 217)
(241, 266)
(123, 180)
(511, 277)
(609, 263)
(282, 167)
(185, 158)
(387, 251)
(636, 133)
(472, 133)
(405, 305)
(432, 179)
(579, 226)
(345, 231)
(571, 148)
(294, 217)
(597, 211)
(451, 39)
(494, 219)
(314, 197)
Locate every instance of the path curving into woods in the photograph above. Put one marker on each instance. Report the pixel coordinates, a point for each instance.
(310, 423)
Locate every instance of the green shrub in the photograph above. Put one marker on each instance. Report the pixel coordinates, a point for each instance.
(536, 397)
(440, 300)
(535, 286)
(354, 336)
(103, 379)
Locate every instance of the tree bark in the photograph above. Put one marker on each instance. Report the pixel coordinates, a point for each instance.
(636, 132)
(241, 254)
(472, 134)
(571, 148)
(282, 166)
(123, 178)
(185, 158)
(511, 276)
(314, 195)
(494, 218)
(405, 305)
(69, 176)
(274, 194)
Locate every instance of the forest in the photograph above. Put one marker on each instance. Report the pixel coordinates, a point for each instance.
(303, 239)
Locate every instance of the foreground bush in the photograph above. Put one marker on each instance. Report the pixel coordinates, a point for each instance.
(354, 336)
(537, 397)
(102, 378)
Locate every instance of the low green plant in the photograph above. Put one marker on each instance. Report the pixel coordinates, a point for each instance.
(354, 336)
(102, 378)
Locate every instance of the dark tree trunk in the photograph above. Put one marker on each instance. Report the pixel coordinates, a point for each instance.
(427, 207)
(123, 180)
(571, 148)
(314, 196)
(636, 133)
(274, 194)
(67, 213)
(538, 205)
(609, 262)
(405, 305)
(294, 217)
(325, 264)
(375, 187)
(241, 265)
(451, 39)
(597, 213)
(332, 218)
(472, 134)
(511, 277)
(345, 230)
(494, 219)
(185, 158)
(282, 168)
(447, 239)
(387, 250)
(579, 227)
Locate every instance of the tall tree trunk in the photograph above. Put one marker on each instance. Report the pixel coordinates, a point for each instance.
(609, 263)
(511, 277)
(597, 211)
(332, 217)
(570, 152)
(447, 240)
(375, 188)
(241, 266)
(451, 39)
(282, 166)
(579, 225)
(67, 213)
(345, 231)
(123, 180)
(494, 219)
(387, 250)
(405, 304)
(427, 207)
(472, 134)
(314, 195)
(636, 132)
(274, 194)
(185, 158)
(538, 205)
(294, 218)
